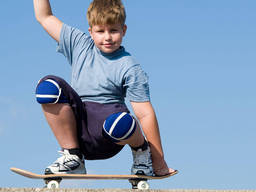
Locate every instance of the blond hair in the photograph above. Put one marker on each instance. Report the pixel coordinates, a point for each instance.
(106, 12)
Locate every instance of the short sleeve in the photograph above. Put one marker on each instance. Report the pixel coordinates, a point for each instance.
(71, 40)
(136, 84)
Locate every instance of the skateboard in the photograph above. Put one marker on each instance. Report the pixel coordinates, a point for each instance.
(53, 180)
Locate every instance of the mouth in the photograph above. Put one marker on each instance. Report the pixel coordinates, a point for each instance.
(107, 45)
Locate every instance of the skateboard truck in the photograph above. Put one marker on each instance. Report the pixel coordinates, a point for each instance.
(52, 183)
(139, 184)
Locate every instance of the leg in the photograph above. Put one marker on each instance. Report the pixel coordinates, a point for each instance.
(58, 112)
(53, 94)
(123, 129)
(61, 119)
(136, 139)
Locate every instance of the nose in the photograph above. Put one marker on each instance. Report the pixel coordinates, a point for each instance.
(107, 36)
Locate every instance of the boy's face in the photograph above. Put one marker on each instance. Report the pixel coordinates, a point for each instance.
(108, 38)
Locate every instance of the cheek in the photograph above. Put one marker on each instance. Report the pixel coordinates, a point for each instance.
(96, 38)
(118, 38)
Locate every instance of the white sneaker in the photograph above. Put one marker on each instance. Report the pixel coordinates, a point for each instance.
(142, 162)
(66, 164)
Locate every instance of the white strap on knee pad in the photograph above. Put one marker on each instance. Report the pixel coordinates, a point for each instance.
(51, 96)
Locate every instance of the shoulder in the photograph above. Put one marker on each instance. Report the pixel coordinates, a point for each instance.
(127, 61)
(72, 38)
(70, 29)
(74, 34)
(130, 65)
(130, 68)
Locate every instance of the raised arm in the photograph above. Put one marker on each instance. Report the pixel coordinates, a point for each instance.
(44, 16)
(147, 118)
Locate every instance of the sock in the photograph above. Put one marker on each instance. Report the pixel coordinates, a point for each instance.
(144, 146)
(76, 151)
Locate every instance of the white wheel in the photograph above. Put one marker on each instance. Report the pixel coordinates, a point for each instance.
(143, 185)
(53, 184)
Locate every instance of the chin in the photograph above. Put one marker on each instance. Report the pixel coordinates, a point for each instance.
(108, 50)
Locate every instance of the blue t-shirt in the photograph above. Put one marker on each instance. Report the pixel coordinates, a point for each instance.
(101, 77)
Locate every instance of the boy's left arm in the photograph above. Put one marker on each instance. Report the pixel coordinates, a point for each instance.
(147, 118)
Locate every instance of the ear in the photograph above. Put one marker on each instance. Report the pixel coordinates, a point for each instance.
(90, 31)
(124, 29)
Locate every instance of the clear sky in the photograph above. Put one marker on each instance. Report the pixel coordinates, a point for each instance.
(200, 56)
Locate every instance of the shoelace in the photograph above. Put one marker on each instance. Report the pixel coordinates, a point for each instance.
(64, 157)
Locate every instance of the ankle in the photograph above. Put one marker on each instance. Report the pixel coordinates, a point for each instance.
(143, 147)
(75, 151)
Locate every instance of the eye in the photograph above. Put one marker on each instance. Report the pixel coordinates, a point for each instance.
(114, 30)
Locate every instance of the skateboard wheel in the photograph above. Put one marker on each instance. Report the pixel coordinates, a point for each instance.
(53, 184)
(143, 185)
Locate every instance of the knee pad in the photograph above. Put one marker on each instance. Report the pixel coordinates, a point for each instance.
(119, 126)
(49, 92)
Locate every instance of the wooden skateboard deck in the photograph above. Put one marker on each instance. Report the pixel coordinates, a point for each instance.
(53, 180)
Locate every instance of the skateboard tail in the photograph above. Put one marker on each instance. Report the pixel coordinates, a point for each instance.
(25, 173)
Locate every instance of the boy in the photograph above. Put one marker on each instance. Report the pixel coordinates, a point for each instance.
(89, 118)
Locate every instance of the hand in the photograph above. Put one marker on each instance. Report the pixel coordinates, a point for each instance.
(161, 168)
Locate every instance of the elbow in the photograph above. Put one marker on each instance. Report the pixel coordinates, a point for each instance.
(40, 18)
(143, 110)
(145, 114)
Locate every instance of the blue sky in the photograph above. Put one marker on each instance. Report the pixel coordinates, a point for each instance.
(200, 57)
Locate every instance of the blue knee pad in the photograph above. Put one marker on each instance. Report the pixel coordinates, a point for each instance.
(119, 126)
(49, 92)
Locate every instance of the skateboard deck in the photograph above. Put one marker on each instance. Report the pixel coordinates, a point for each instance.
(53, 180)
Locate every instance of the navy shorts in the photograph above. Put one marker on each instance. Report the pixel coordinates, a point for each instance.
(90, 117)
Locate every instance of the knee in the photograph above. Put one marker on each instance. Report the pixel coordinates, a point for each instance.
(48, 91)
(119, 126)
